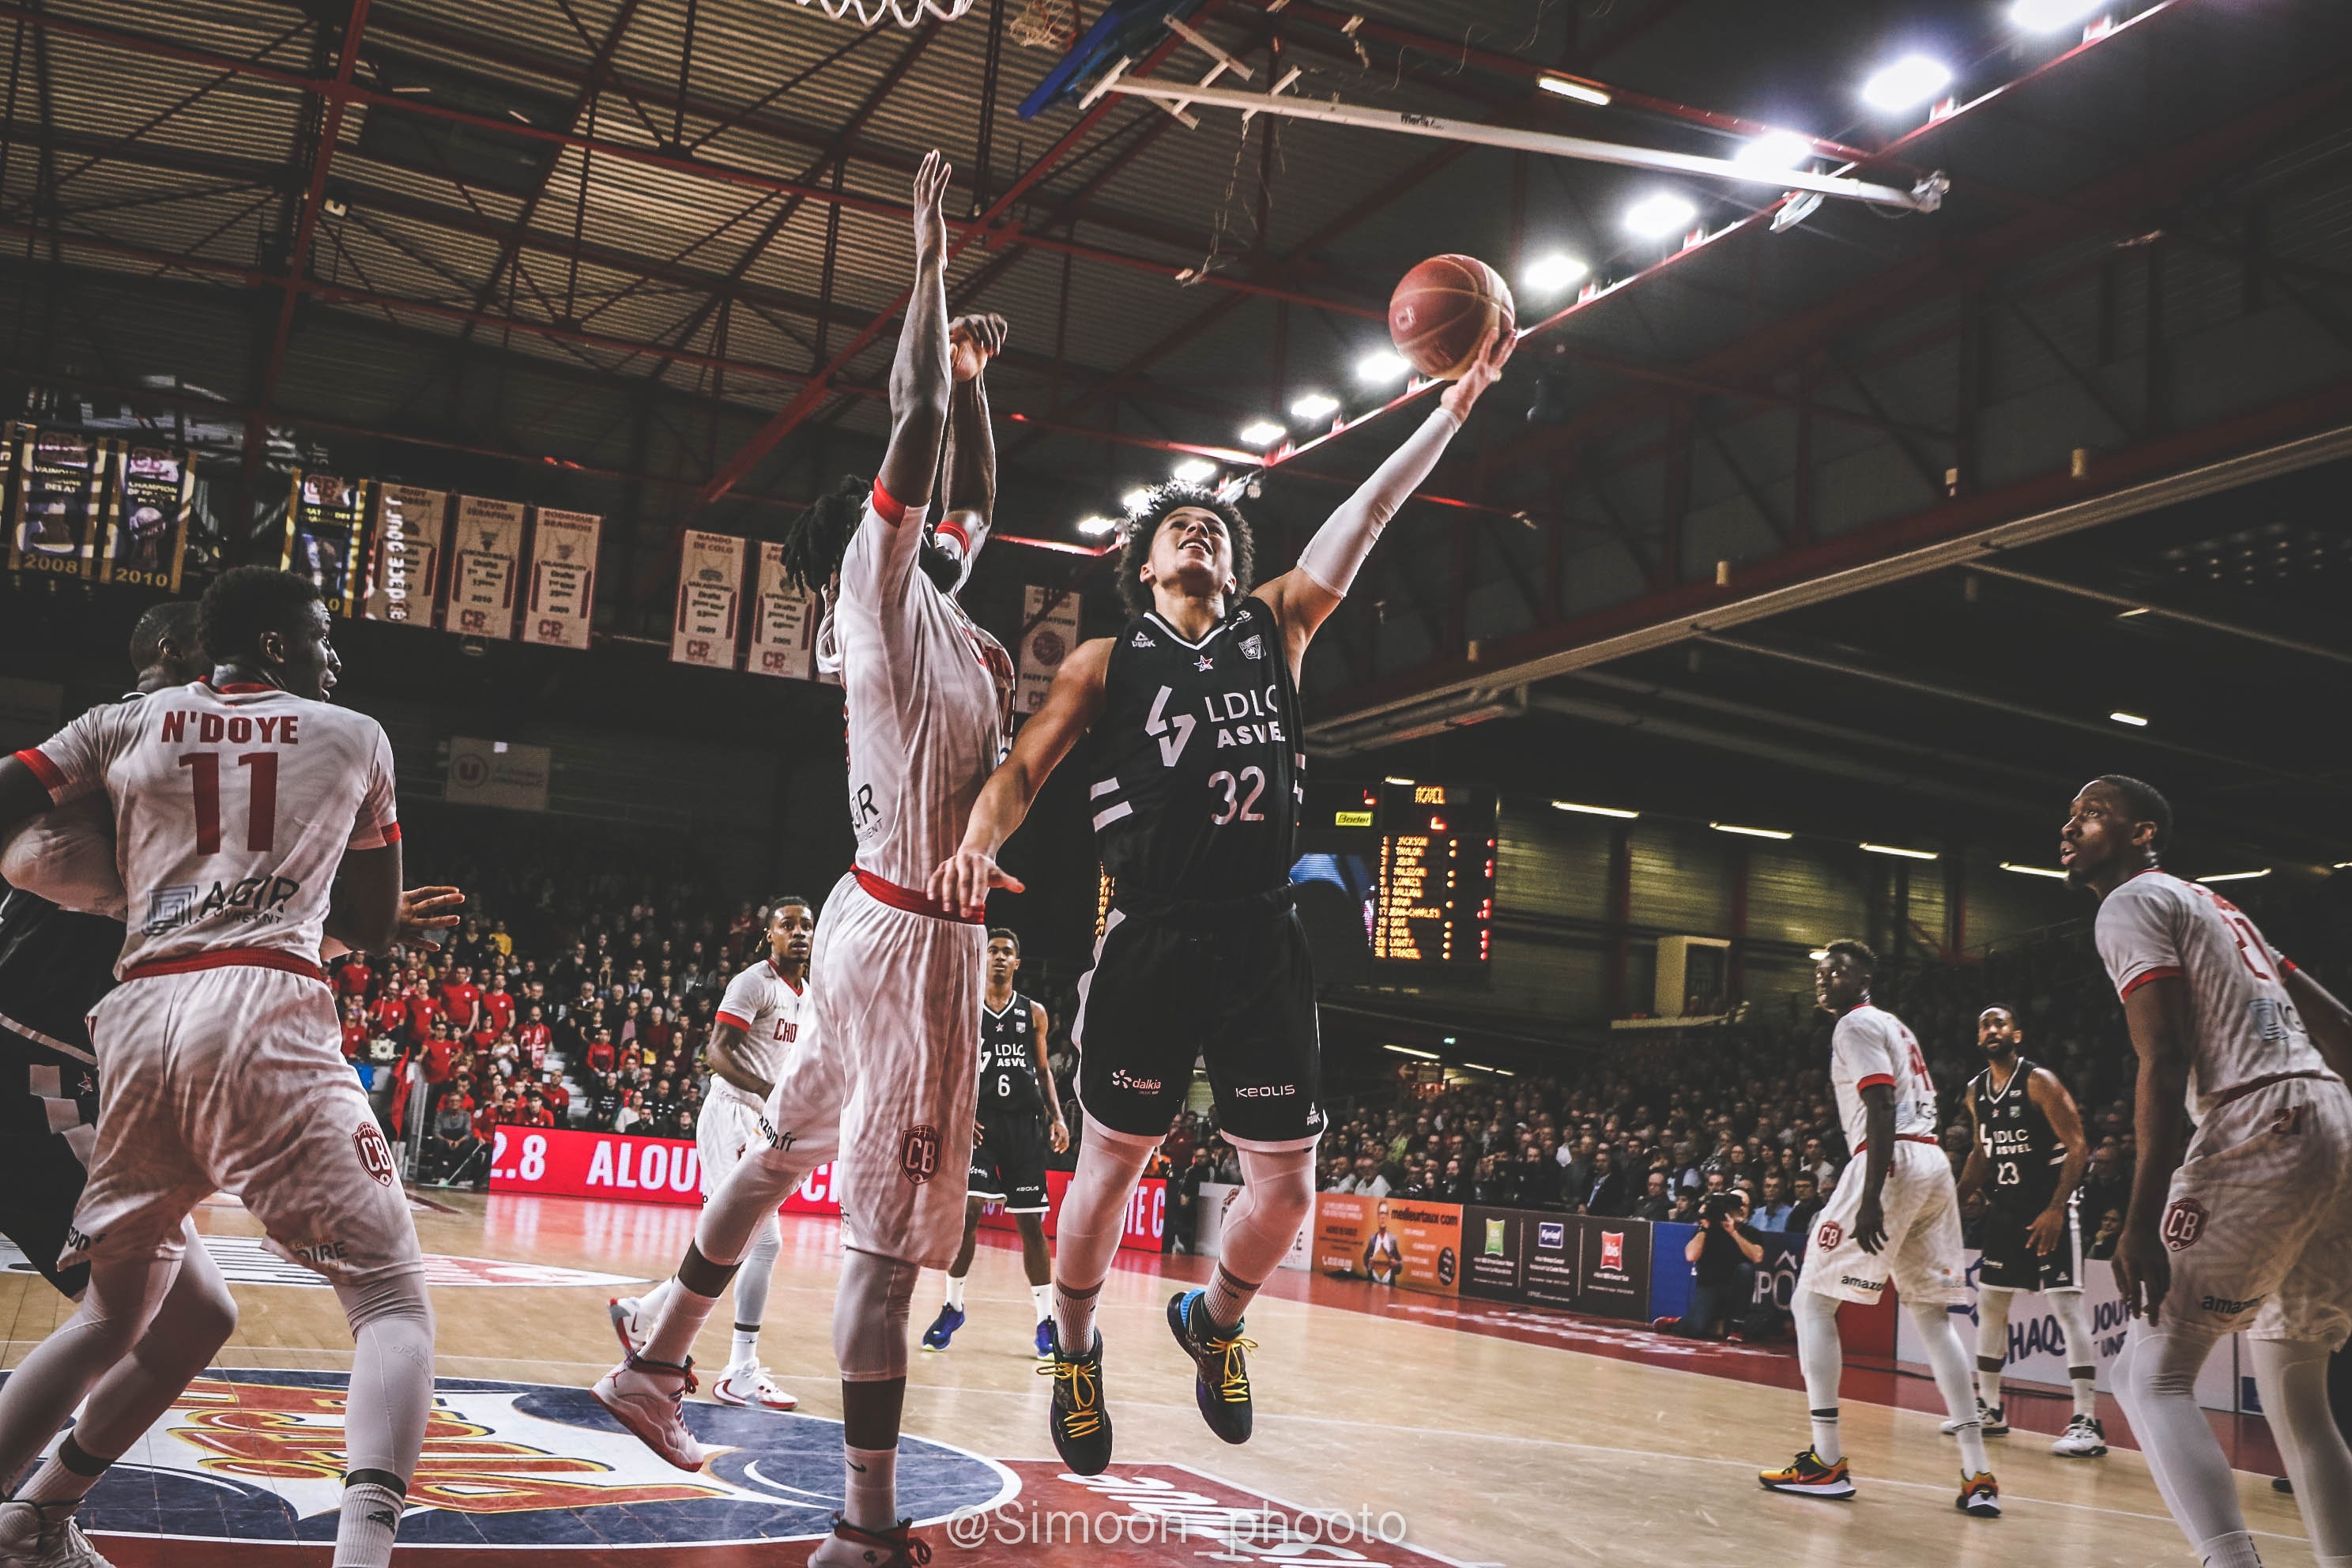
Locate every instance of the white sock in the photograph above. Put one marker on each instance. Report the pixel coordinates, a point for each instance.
(56, 1481)
(1826, 1446)
(1989, 1386)
(1949, 1359)
(870, 1495)
(1822, 1360)
(370, 1518)
(2074, 1323)
(1041, 1301)
(651, 1304)
(2087, 1391)
(955, 1291)
(2232, 1551)
(744, 1348)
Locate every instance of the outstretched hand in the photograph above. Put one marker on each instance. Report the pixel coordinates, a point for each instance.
(931, 191)
(423, 911)
(964, 882)
(1493, 353)
(973, 342)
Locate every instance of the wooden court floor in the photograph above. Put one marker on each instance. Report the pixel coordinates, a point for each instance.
(1475, 1447)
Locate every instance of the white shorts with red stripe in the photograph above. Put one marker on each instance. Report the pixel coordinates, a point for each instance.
(1923, 1251)
(895, 992)
(231, 1078)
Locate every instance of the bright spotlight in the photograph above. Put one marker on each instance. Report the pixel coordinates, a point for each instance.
(1660, 215)
(1195, 470)
(1908, 83)
(1263, 432)
(1774, 150)
(1568, 86)
(2049, 16)
(1135, 500)
(1381, 365)
(1096, 527)
(1551, 274)
(1316, 406)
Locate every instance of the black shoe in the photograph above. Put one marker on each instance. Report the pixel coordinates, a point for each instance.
(1221, 1389)
(1081, 1425)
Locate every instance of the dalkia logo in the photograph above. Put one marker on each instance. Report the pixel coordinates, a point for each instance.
(258, 1455)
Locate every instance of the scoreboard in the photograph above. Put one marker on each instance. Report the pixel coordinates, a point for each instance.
(1436, 897)
(1420, 858)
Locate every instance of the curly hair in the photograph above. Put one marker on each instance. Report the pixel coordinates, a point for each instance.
(816, 540)
(244, 603)
(1143, 527)
(2144, 801)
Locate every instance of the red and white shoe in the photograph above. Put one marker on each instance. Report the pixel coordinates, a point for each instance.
(850, 1547)
(648, 1397)
(750, 1387)
(631, 1323)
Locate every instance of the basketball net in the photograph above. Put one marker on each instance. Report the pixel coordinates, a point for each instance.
(1046, 24)
(906, 12)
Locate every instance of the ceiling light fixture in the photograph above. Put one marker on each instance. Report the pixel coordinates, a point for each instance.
(1659, 216)
(1906, 84)
(1381, 365)
(1750, 832)
(2235, 875)
(1135, 500)
(2134, 720)
(1595, 810)
(2049, 16)
(1775, 150)
(1096, 527)
(1905, 853)
(1263, 432)
(2032, 870)
(1195, 470)
(1551, 274)
(1408, 1051)
(1316, 406)
(1569, 87)
(1401, 784)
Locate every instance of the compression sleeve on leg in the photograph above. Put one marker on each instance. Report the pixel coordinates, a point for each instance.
(1333, 556)
(2155, 1380)
(2293, 1378)
(1093, 1218)
(1278, 1191)
(869, 1316)
(759, 1269)
(196, 1319)
(1948, 1358)
(122, 1299)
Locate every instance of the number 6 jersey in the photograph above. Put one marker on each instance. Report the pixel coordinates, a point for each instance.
(1196, 760)
(233, 807)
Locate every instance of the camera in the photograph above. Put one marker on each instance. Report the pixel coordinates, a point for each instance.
(1721, 1207)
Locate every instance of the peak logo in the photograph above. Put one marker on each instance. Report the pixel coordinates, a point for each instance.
(258, 1455)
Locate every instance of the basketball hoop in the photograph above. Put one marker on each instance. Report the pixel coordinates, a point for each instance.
(1046, 24)
(906, 12)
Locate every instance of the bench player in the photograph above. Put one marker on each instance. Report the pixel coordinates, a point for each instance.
(2027, 1160)
(757, 1026)
(1019, 1118)
(251, 820)
(1193, 707)
(1899, 1216)
(2247, 1225)
(897, 975)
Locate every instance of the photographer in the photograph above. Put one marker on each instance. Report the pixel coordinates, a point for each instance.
(1721, 1255)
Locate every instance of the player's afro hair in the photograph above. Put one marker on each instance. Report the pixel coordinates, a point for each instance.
(1009, 935)
(1859, 952)
(173, 620)
(816, 540)
(244, 602)
(2146, 802)
(1143, 527)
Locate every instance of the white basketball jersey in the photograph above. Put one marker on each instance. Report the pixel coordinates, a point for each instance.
(767, 1008)
(1871, 1046)
(2157, 925)
(231, 807)
(926, 692)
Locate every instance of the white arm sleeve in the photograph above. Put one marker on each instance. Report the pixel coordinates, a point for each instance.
(1332, 557)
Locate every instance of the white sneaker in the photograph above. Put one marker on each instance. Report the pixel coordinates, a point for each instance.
(1949, 1427)
(630, 1323)
(850, 1547)
(32, 1536)
(2084, 1438)
(647, 1398)
(750, 1387)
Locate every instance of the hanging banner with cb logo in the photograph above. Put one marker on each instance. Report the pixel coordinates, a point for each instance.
(483, 571)
(563, 578)
(783, 621)
(1049, 622)
(149, 500)
(709, 600)
(403, 576)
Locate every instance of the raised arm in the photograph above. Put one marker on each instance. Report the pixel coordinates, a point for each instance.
(1304, 598)
(1072, 704)
(968, 508)
(918, 376)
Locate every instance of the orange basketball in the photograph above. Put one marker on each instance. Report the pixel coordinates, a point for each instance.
(1441, 307)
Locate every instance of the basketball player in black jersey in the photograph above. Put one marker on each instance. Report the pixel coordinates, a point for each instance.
(2027, 1159)
(1020, 1117)
(1194, 782)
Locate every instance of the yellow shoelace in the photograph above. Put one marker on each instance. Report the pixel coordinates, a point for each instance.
(1084, 1418)
(1235, 1385)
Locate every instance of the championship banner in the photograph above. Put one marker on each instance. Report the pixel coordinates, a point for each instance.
(1053, 633)
(709, 595)
(403, 580)
(783, 621)
(484, 564)
(563, 599)
(148, 504)
(326, 516)
(1390, 1241)
(53, 526)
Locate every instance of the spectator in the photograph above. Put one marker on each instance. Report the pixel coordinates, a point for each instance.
(450, 1144)
(1658, 1202)
(1772, 1211)
(1606, 1194)
(1184, 1199)
(1721, 1252)
(1367, 1179)
(1806, 1204)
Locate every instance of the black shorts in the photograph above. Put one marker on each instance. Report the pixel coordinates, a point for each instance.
(43, 1093)
(2009, 1262)
(1231, 983)
(1008, 1163)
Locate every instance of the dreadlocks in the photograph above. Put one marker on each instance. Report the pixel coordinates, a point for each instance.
(816, 540)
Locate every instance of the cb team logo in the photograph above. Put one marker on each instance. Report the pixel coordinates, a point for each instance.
(375, 1154)
(1830, 1235)
(258, 1456)
(919, 1154)
(2184, 1222)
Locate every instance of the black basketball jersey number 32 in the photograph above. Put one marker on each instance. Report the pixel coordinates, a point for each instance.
(1196, 768)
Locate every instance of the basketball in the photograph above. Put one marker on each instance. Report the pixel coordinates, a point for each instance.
(1441, 307)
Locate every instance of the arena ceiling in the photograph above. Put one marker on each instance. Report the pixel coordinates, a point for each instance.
(643, 257)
